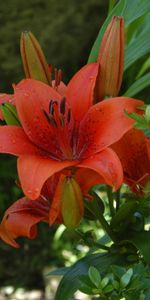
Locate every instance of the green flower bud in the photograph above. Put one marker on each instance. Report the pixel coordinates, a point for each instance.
(34, 61)
(72, 208)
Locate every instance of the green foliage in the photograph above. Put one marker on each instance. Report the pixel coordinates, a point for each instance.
(142, 121)
(72, 280)
(127, 10)
(138, 85)
(116, 282)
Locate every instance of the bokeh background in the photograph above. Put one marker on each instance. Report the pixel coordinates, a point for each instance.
(66, 30)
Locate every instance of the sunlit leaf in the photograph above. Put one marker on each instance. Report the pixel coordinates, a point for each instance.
(94, 276)
(125, 279)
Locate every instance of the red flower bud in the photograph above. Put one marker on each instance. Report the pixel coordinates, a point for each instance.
(34, 62)
(111, 58)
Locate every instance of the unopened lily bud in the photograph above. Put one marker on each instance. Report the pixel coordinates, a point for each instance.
(72, 208)
(10, 114)
(34, 61)
(111, 59)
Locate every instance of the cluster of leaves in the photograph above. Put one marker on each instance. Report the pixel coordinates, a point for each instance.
(118, 283)
(129, 278)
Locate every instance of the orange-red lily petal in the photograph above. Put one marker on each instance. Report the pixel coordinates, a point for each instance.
(80, 90)
(105, 123)
(87, 179)
(15, 141)
(21, 218)
(133, 154)
(34, 170)
(107, 165)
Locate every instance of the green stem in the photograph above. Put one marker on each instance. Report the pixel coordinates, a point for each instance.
(111, 201)
(117, 199)
(106, 226)
(111, 5)
(102, 246)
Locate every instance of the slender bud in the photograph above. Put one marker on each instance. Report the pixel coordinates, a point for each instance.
(34, 61)
(10, 114)
(111, 59)
(72, 208)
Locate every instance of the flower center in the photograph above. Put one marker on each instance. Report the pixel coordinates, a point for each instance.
(60, 119)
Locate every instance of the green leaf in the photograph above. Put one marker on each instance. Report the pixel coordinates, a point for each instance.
(138, 85)
(142, 296)
(104, 282)
(147, 113)
(118, 271)
(136, 117)
(147, 295)
(141, 240)
(135, 9)
(10, 114)
(123, 216)
(86, 289)
(147, 132)
(94, 276)
(71, 282)
(109, 288)
(85, 280)
(115, 284)
(144, 68)
(137, 48)
(127, 10)
(125, 279)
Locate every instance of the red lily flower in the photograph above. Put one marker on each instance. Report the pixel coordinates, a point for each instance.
(21, 218)
(133, 150)
(63, 133)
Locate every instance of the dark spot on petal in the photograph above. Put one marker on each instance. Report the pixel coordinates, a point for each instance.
(69, 115)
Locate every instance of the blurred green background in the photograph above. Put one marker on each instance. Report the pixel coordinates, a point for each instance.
(66, 30)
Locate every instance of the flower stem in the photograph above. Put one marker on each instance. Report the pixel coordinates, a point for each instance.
(117, 199)
(110, 200)
(102, 246)
(106, 226)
